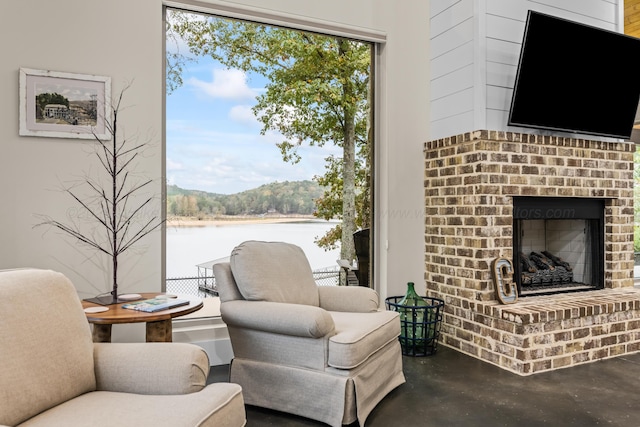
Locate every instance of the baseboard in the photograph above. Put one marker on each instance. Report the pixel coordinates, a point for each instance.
(219, 351)
(210, 333)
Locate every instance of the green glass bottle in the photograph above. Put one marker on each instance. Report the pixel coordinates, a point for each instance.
(412, 320)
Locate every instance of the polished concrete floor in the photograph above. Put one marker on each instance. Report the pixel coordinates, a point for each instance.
(452, 389)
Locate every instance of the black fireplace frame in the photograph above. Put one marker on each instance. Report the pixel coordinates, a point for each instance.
(558, 208)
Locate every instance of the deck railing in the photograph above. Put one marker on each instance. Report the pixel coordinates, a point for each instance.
(205, 286)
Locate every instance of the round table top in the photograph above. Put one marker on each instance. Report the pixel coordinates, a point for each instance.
(117, 314)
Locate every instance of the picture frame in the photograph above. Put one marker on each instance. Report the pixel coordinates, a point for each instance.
(64, 105)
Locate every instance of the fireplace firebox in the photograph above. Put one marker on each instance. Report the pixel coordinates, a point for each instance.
(558, 244)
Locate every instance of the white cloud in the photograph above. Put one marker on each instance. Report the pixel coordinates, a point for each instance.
(174, 166)
(243, 114)
(228, 84)
(218, 160)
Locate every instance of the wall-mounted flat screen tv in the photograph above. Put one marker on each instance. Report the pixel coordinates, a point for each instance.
(575, 78)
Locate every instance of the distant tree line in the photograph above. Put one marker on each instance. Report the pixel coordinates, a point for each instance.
(289, 198)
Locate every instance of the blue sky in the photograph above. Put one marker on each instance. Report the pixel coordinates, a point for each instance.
(213, 139)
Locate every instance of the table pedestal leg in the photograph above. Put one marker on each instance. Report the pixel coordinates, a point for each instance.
(160, 331)
(101, 333)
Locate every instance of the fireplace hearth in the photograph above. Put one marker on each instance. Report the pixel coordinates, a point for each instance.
(504, 195)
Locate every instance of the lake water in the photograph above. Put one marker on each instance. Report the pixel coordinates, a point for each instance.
(189, 246)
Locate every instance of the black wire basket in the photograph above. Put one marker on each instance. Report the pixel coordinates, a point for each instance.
(420, 325)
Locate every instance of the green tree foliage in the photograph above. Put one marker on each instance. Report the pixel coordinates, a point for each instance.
(317, 93)
(45, 99)
(289, 198)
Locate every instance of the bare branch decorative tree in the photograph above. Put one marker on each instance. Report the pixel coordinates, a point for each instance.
(118, 214)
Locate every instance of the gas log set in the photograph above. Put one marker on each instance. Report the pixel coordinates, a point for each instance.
(544, 268)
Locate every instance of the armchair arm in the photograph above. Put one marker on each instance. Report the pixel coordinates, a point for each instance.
(278, 317)
(356, 299)
(150, 368)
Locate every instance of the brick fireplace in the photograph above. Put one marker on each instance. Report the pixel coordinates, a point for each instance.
(471, 182)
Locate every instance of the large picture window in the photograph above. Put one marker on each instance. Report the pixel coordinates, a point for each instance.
(269, 136)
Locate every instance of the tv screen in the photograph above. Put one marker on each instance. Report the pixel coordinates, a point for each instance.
(575, 78)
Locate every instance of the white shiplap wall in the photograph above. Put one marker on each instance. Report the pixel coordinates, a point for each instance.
(475, 46)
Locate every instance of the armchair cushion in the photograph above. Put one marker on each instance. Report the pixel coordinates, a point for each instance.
(219, 406)
(273, 271)
(360, 335)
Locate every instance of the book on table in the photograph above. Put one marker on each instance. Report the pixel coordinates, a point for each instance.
(155, 304)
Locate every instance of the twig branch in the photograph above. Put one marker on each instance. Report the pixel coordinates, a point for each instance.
(115, 209)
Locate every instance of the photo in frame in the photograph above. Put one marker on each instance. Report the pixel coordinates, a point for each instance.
(64, 105)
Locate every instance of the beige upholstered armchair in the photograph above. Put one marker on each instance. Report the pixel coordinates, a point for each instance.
(52, 374)
(328, 353)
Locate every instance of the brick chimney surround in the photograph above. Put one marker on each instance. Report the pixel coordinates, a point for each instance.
(470, 182)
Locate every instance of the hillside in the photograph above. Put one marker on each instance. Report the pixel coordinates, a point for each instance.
(287, 198)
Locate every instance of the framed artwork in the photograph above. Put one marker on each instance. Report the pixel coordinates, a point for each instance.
(64, 105)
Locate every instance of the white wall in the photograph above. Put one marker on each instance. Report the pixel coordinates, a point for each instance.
(120, 39)
(123, 39)
(475, 46)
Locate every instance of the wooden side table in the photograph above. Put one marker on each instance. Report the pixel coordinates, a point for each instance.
(158, 324)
